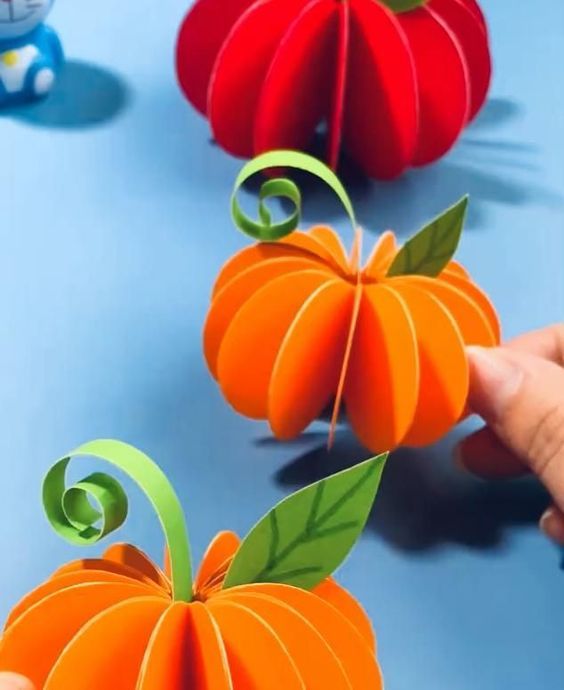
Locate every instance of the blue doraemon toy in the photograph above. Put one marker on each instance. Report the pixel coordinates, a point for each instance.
(31, 54)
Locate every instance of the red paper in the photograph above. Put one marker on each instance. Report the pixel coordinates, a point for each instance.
(394, 90)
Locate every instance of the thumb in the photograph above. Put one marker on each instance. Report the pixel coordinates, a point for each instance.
(521, 398)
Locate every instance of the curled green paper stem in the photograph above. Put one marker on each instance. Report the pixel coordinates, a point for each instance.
(264, 229)
(73, 517)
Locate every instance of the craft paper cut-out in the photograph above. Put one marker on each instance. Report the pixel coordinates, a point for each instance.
(298, 324)
(263, 613)
(394, 81)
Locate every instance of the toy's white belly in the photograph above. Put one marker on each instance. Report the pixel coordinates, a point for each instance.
(14, 65)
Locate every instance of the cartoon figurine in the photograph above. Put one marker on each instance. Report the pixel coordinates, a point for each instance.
(31, 54)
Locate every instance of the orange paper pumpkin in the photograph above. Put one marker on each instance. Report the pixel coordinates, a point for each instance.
(116, 623)
(298, 323)
(112, 623)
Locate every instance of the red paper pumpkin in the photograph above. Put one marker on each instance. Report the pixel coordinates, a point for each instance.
(395, 88)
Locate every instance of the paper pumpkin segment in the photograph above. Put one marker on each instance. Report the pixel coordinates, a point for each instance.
(297, 324)
(395, 81)
(261, 613)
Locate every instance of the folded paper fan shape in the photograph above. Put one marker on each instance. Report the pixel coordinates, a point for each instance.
(297, 324)
(261, 613)
(395, 81)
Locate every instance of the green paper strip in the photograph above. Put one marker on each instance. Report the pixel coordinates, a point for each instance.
(400, 6)
(74, 518)
(264, 229)
(307, 536)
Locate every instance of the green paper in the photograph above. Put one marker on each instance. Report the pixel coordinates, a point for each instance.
(74, 518)
(264, 229)
(307, 536)
(430, 250)
(404, 5)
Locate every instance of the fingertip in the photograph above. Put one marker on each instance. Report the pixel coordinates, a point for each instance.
(552, 524)
(13, 681)
(483, 455)
(466, 461)
(495, 379)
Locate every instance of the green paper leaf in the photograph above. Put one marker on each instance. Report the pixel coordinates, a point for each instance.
(73, 517)
(264, 229)
(307, 536)
(404, 5)
(430, 250)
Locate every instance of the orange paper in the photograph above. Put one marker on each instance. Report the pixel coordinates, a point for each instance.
(296, 325)
(112, 623)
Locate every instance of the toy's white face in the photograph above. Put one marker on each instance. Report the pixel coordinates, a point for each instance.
(19, 17)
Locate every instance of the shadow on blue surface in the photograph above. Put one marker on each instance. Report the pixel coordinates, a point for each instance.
(85, 96)
(425, 502)
(490, 170)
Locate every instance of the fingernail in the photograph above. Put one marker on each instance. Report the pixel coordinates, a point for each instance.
(551, 524)
(458, 456)
(494, 381)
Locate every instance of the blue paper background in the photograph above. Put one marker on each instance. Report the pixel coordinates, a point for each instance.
(114, 223)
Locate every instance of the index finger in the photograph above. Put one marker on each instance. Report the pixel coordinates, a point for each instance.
(547, 343)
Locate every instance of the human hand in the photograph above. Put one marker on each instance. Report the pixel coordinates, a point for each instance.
(518, 390)
(12, 681)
